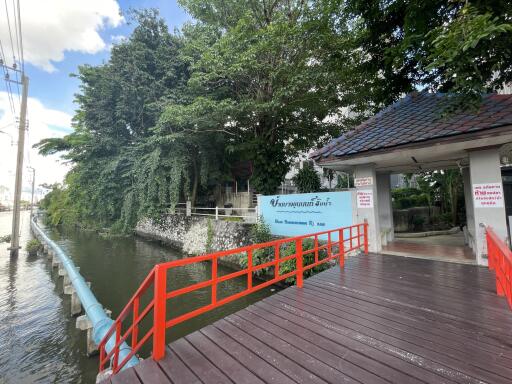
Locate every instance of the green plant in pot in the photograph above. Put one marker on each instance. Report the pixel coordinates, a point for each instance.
(33, 246)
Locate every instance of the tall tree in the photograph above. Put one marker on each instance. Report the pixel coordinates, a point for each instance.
(114, 148)
(259, 83)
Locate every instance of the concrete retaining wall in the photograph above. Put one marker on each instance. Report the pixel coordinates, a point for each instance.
(197, 235)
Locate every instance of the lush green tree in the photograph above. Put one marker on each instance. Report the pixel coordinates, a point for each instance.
(446, 187)
(443, 45)
(122, 167)
(259, 83)
(472, 54)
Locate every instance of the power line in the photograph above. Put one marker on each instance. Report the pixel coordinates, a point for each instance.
(13, 46)
(17, 47)
(6, 78)
(10, 94)
(10, 32)
(16, 28)
(21, 39)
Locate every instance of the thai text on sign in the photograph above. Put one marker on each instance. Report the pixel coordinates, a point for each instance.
(364, 198)
(488, 195)
(303, 213)
(363, 181)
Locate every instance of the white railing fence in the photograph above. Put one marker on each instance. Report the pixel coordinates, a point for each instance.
(248, 215)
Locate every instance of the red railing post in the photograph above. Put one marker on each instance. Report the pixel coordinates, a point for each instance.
(159, 312)
(102, 356)
(249, 269)
(316, 248)
(506, 277)
(276, 257)
(329, 245)
(299, 263)
(365, 231)
(341, 245)
(214, 280)
(115, 363)
(500, 276)
(135, 331)
(490, 255)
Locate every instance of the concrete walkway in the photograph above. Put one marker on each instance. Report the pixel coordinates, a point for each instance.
(442, 247)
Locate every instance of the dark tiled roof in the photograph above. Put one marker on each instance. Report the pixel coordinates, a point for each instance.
(415, 118)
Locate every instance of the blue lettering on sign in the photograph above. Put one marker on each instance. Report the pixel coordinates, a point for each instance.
(300, 214)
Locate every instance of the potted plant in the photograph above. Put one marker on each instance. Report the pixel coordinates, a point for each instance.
(33, 246)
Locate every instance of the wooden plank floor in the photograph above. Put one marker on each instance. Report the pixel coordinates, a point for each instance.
(382, 319)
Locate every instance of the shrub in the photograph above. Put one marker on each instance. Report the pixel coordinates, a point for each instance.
(290, 265)
(418, 222)
(260, 233)
(33, 246)
(446, 219)
(5, 239)
(404, 198)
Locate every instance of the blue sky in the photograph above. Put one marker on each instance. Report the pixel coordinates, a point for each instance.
(56, 89)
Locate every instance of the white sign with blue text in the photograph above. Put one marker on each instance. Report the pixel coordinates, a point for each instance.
(300, 214)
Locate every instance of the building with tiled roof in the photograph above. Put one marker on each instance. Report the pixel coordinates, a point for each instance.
(416, 134)
(419, 120)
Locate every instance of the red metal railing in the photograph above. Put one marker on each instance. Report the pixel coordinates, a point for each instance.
(325, 246)
(500, 260)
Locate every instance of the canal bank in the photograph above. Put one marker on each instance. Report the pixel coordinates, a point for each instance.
(33, 307)
(197, 235)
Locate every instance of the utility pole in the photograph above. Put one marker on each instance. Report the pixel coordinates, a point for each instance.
(15, 235)
(33, 186)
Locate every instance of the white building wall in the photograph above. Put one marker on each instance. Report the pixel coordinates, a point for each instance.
(484, 166)
(468, 200)
(371, 215)
(385, 207)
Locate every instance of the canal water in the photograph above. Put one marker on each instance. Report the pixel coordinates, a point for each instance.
(38, 339)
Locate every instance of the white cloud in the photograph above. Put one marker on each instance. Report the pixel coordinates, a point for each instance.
(116, 39)
(43, 123)
(52, 27)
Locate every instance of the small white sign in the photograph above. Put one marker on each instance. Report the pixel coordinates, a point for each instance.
(363, 181)
(364, 198)
(488, 195)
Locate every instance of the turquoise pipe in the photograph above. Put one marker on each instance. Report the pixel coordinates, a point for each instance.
(101, 323)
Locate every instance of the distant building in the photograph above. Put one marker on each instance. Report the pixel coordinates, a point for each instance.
(400, 180)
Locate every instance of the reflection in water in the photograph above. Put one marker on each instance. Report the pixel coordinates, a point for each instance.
(38, 339)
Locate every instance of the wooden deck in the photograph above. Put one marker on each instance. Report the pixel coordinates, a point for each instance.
(381, 319)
